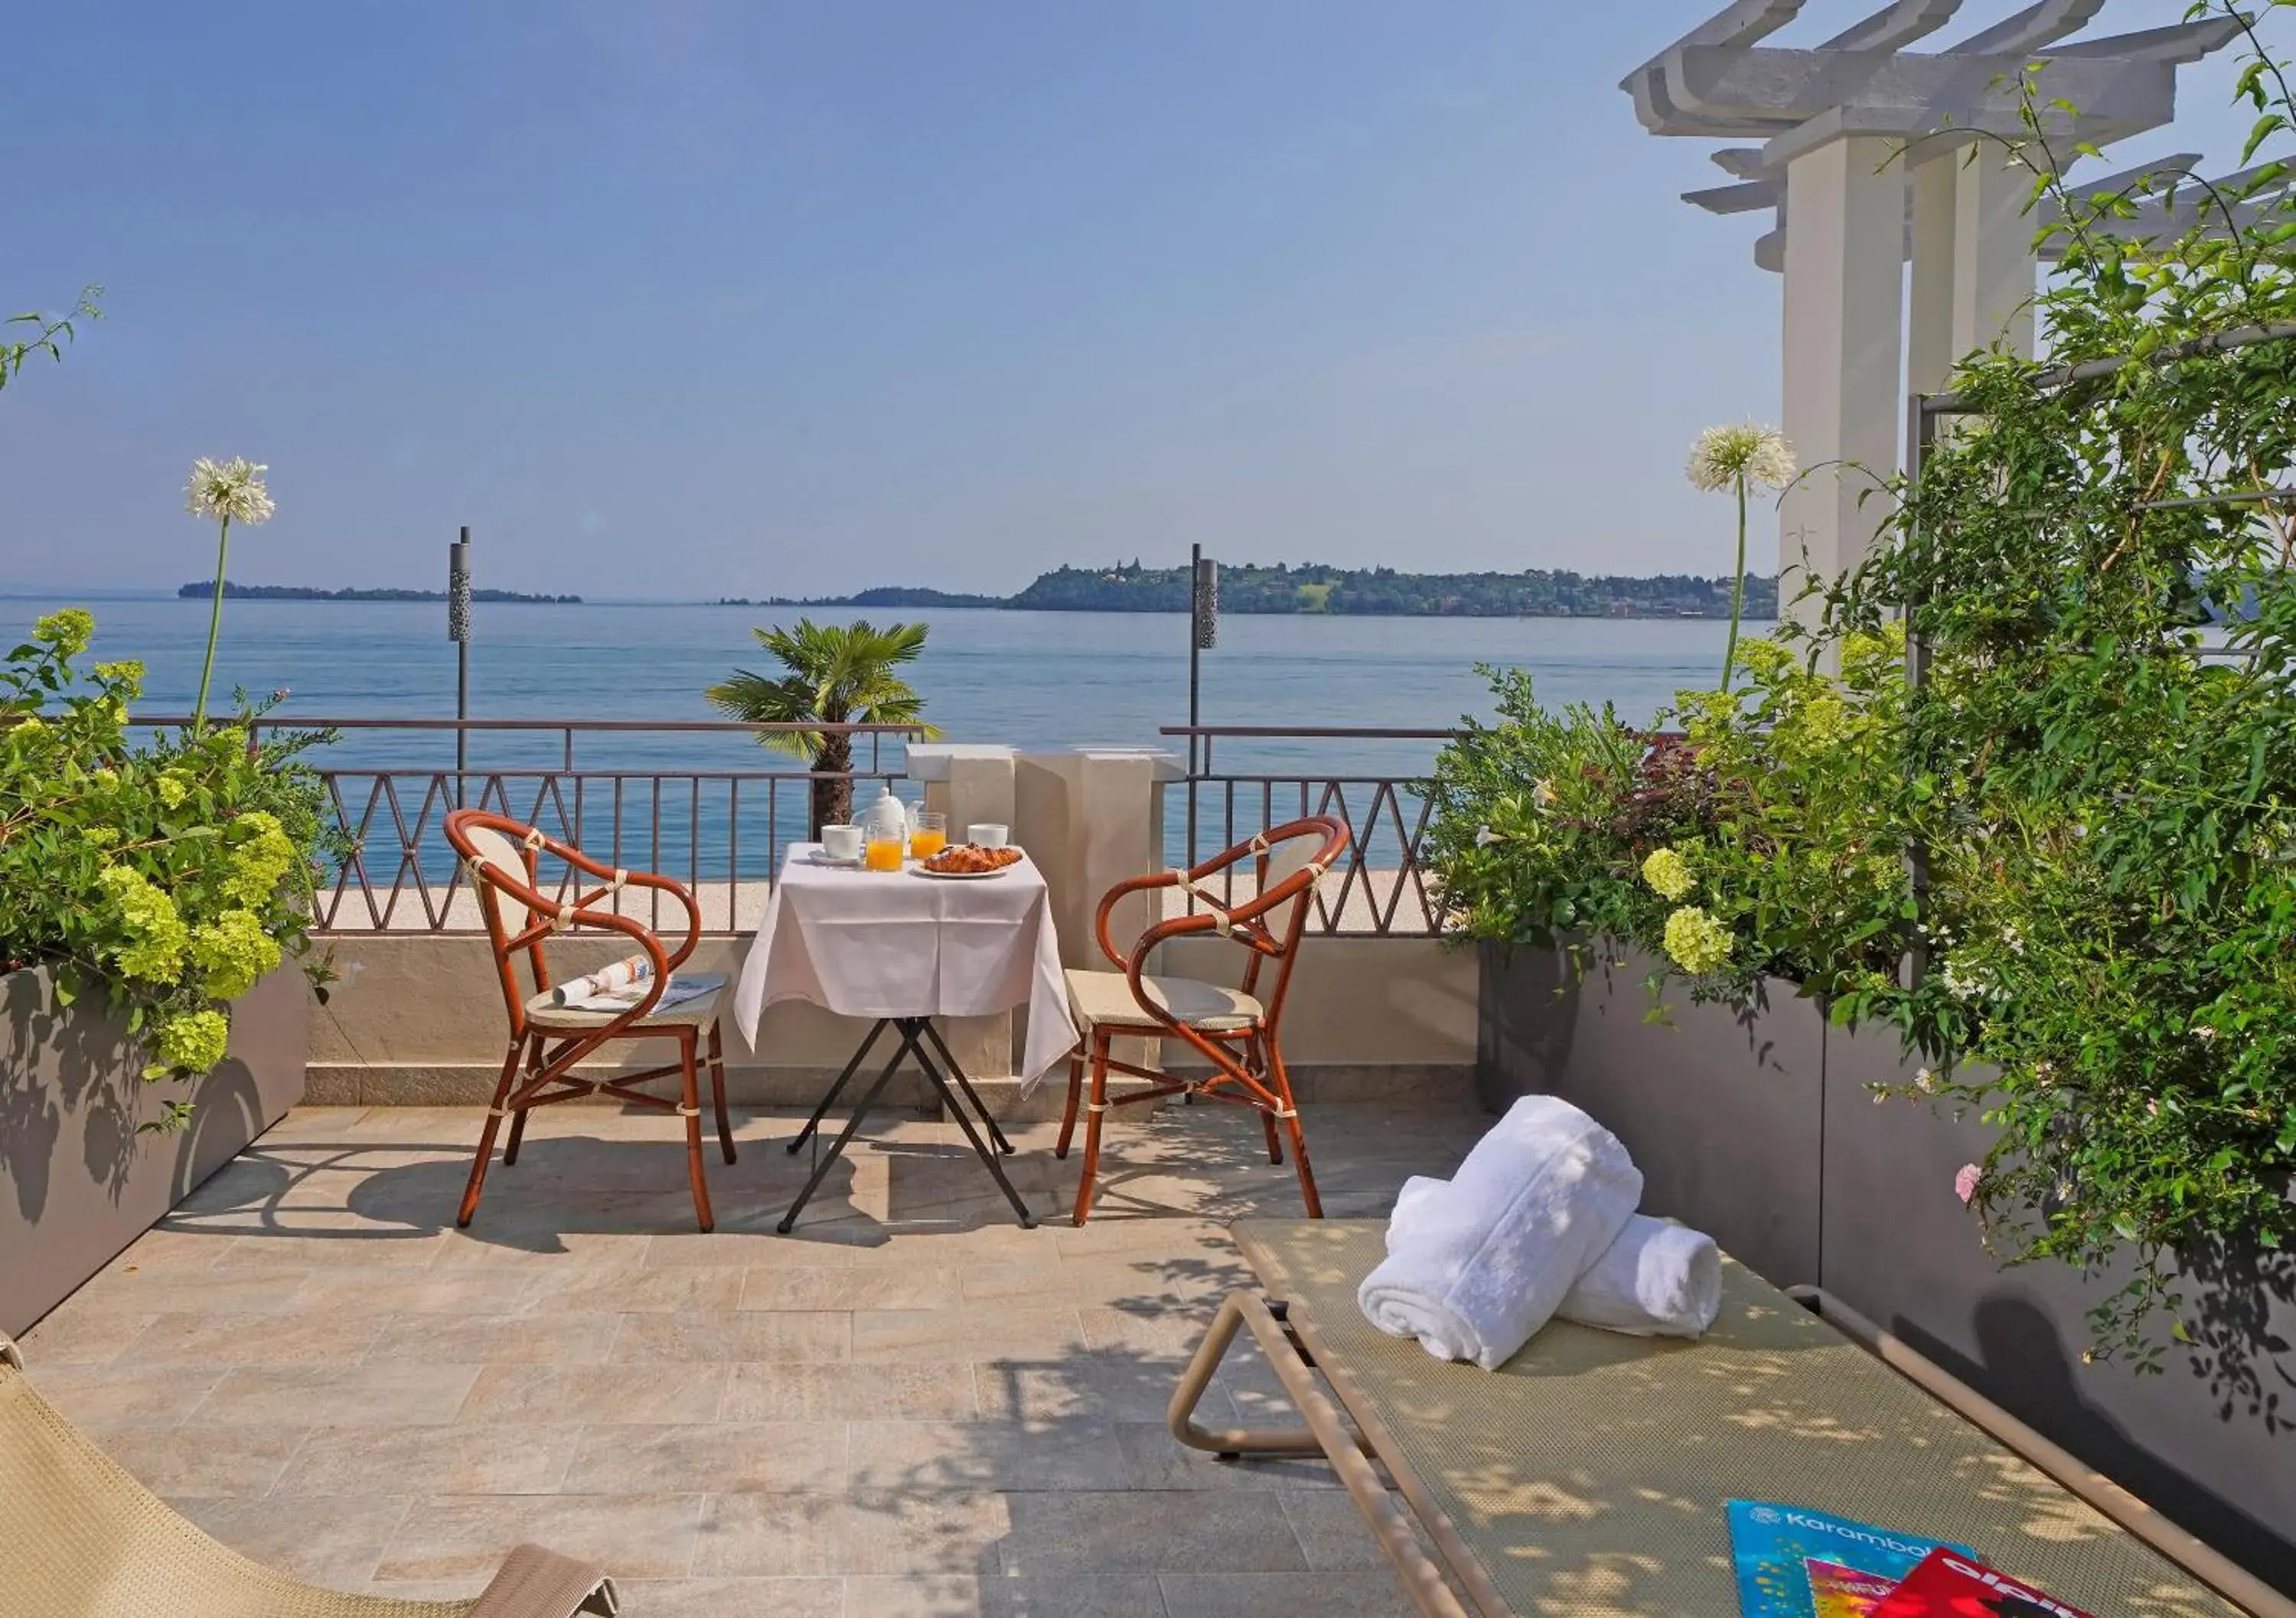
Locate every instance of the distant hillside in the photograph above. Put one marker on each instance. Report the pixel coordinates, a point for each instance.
(888, 595)
(1312, 588)
(205, 589)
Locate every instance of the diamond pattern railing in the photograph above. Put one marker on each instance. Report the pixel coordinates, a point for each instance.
(1379, 887)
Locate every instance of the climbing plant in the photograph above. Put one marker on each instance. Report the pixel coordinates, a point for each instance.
(2094, 558)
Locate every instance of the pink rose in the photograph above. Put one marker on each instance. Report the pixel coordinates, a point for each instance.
(1965, 1184)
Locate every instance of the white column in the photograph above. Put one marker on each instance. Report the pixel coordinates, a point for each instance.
(1929, 351)
(1844, 300)
(1993, 254)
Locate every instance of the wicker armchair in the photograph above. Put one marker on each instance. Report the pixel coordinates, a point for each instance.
(1236, 1030)
(547, 1039)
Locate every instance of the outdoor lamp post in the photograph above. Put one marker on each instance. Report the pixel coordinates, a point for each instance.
(458, 630)
(1203, 630)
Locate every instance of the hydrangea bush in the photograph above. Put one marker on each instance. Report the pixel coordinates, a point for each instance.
(1764, 838)
(166, 878)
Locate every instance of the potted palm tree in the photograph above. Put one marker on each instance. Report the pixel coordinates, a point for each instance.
(834, 674)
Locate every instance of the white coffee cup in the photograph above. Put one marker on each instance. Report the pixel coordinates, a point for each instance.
(841, 842)
(989, 834)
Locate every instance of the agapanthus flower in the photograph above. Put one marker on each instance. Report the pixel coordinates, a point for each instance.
(194, 1041)
(1742, 450)
(1669, 874)
(1698, 943)
(231, 491)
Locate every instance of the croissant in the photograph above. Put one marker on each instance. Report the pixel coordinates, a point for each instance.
(971, 859)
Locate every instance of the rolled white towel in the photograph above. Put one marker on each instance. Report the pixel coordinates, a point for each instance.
(1659, 1279)
(1534, 1204)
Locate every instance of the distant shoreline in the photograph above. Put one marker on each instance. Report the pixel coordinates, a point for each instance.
(1315, 590)
(1309, 590)
(299, 592)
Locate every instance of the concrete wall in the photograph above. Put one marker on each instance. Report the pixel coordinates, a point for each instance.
(1762, 1130)
(418, 1020)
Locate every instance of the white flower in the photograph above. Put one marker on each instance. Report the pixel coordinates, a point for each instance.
(1925, 1082)
(1744, 450)
(2203, 1033)
(1963, 984)
(1485, 837)
(1542, 793)
(229, 492)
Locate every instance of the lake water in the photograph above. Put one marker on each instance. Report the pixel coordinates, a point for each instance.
(1034, 679)
(1041, 680)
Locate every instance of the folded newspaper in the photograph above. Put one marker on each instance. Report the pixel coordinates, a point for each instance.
(627, 983)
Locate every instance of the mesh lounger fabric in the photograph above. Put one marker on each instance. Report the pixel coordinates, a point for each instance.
(1587, 1475)
(80, 1538)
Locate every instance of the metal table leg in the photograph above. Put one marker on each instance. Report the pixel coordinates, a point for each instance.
(844, 1079)
(956, 1110)
(966, 1085)
(914, 1032)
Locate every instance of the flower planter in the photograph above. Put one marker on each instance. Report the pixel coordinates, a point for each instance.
(1763, 1132)
(1720, 1109)
(77, 1183)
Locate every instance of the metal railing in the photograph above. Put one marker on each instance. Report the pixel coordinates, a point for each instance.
(1381, 887)
(711, 823)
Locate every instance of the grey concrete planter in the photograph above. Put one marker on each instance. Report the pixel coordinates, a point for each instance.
(77, 1183)
(1720, 1109)
(1763, 1130)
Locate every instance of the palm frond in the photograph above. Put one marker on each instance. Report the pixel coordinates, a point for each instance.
(837, 674)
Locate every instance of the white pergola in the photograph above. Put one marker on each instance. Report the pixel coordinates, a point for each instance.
(1871, 154)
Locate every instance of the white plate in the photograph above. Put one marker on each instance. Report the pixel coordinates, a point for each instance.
(961, 876)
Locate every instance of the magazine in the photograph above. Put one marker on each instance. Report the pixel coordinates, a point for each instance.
(1950, 1584)
(681, 988)
(1796, 1563)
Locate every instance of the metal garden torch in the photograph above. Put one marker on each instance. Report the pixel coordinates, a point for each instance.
(458, 630)
(1203, 633)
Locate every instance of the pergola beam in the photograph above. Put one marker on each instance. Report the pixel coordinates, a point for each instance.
(1895, 25)
(2034, 27)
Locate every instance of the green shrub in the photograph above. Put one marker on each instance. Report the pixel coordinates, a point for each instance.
(167, 878)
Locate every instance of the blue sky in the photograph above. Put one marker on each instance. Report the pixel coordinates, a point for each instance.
(692, 299)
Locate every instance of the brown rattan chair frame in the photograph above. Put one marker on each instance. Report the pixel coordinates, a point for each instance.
(549, 1058)
(1247, 1063)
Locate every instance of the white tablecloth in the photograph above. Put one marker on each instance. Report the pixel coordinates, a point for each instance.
(896, 944)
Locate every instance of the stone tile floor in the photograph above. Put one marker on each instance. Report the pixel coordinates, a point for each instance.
(912, 1406)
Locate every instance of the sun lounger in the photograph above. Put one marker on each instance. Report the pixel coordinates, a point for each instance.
(1588, 1475)
(79, 1536)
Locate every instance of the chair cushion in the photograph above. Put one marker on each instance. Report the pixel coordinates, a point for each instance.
(1104, 998)
(698, 1012)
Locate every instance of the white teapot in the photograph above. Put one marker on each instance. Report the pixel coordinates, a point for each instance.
(887, 821)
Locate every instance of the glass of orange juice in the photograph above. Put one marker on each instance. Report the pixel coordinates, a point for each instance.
(882, 854)
(929, 835)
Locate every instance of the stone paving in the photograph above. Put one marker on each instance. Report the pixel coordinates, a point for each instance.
(911, 1407)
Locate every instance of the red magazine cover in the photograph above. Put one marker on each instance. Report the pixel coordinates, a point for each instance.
(1949, 1585)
